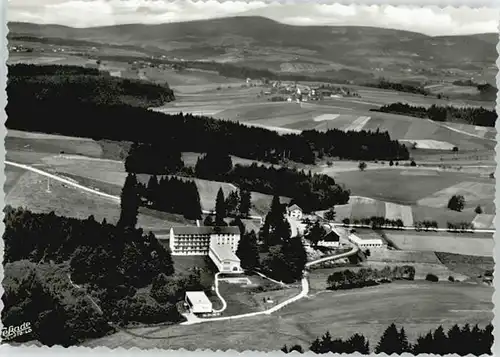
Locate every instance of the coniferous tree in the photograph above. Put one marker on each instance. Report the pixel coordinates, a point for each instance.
(220, 209)
(248, 251)
(232, 203)
(403, 338)
(152, 188)
(358, 343)
(129, 203)
(390, 342)
(439, 341)
(237, 222)
(245, 203)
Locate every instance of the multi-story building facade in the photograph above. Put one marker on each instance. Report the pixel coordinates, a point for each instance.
(196, 240)
(219, 243)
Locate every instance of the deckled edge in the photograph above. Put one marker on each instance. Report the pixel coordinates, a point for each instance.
(4, 54)
(82, 350)
(496, 248)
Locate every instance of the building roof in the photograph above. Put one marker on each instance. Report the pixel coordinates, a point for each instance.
(294, 207)
(198, 298)
(331, 237)
(224, 252)
(205, 230)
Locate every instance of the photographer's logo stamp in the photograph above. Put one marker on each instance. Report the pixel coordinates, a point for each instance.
(8, 333)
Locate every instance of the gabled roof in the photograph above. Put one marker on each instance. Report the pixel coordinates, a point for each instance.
(205, 230)
(294, 207)
(331, 237)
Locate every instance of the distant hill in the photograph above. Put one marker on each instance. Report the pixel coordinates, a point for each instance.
(267, 43)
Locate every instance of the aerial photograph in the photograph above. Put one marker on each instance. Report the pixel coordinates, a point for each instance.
(307, 178)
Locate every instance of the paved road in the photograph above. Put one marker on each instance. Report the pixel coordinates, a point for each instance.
(224, 303)
(303, 293)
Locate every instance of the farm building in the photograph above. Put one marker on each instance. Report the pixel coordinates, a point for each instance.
(198, 302)
(224, 258)
(294, 212)
(331, 240)
(366, 241)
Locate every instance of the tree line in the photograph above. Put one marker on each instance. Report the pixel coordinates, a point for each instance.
(470, 115)
(400, 87)
(309, 191)
(460, 340)
(347, 279)
(171, 194)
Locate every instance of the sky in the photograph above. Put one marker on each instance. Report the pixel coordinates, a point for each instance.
(429, 20)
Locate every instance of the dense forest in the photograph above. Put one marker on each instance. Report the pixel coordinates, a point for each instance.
(120, 267)
(460, 340)
(90, 105)
(70, 84)
(470, 115)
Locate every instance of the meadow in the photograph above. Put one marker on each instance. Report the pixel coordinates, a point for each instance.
(476, 244)
(338, 312)
(423, 186)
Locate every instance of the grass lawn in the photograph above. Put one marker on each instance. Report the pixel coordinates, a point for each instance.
(419, 306)
(183, 264)
(51, 144)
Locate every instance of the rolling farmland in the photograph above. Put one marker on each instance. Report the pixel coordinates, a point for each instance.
(339, 312)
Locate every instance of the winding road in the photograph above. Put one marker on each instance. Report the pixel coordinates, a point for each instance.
(303, 293)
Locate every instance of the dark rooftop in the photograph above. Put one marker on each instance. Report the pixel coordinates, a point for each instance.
(205, 230)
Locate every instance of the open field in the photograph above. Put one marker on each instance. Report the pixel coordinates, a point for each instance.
(241, 104)
(30, 191)
(470, 265)
(368, 311)
(476, 244)
(415, 186)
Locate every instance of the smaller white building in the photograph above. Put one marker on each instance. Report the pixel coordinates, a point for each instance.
(295, 212)
(198, 302)
(367, 242)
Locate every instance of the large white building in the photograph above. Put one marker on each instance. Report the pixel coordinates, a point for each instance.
(219, 243)
(196, 240)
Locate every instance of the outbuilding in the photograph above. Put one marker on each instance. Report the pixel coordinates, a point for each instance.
(198, 302)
